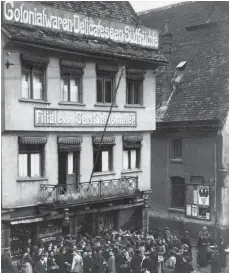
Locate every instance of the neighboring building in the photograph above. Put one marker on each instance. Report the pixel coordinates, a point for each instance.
(190, 147)
(60, 70)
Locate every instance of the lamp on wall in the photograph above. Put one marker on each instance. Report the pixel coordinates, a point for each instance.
(222, 175)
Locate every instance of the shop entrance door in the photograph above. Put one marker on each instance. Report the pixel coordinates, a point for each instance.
(69, 168)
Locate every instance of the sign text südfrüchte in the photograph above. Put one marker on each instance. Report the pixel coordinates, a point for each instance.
(74, 118)
(35, 14)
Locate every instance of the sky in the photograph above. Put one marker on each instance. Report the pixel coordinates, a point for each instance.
(145, 5)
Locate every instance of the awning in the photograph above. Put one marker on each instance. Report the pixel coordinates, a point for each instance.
(106, 140)
(72, 64)
(34, 59)
(107, 68)
(33, 140)
(132, 142)
(26, 221)
(70, 140)
(135, 74)
(70, 144)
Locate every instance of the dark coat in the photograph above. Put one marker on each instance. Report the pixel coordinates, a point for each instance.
(147, 264)
(6, 265)
(135, 264)
(88, 265)
(111, 265)
(39, 267)
(98, 259)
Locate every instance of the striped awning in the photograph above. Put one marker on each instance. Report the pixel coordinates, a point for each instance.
(135, 74)
(133, 138)
(107, 68)
(33, 140)
(72, 64)
(106, 140)
(70, 140)
(34, 59)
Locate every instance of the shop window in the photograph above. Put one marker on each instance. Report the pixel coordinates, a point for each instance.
(177, 192)
(105, 90)
(31, 160)
(176, 149)
(71, 88)
(104, 159)
(131, 159)
(33, 78)
(134, 92)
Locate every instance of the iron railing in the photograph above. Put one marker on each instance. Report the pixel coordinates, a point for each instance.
(85, 190)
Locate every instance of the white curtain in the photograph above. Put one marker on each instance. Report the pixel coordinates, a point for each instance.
(105, 161)
(35, 165)
(25, 85)
(70, 163)
(64, 89)
(74, 90)
(23, 167)
(125, 160)
(37, 86)
(133, 159)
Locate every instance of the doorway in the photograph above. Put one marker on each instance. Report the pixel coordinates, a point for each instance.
(69, 168)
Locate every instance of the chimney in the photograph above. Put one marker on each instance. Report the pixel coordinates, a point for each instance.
(166, 44)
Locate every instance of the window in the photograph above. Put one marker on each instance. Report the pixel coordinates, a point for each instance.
(104, 159)
(105, 89)
(176, 149)
(131, 159)
(177, 192)
(71, 88)
(33, 82)
(134, 92)
(30, 160)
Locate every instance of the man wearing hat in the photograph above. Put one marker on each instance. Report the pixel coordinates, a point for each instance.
(147, 264)
(40, 265)
(88, 262)
(99, 260)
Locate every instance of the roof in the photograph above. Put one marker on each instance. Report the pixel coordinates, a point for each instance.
(203, 93)
(112, 10)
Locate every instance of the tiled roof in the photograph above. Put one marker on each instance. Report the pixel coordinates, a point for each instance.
(81, 44)
(112, 10)
(203, 93)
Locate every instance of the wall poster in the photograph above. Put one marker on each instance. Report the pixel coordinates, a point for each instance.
(198, 201)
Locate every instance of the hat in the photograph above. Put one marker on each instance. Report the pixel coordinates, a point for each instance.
(185, 247)
(147, 253)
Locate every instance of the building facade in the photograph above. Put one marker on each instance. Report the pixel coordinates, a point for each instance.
(190, 146)
(63, 66)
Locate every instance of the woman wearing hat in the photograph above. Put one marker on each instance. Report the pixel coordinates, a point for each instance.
(27, 263)
(203, 246)
(77, 262)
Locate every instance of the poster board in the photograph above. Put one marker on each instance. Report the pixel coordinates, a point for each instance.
(198, 202)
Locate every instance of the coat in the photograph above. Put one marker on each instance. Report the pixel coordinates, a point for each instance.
(148, 265)
(88, 265)
(39, 267)
(111, 265)
(99, 267)
(6, 265)
(77, 264)
(136, 263)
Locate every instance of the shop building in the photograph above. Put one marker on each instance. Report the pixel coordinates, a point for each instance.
(190, 175)
(61, 64)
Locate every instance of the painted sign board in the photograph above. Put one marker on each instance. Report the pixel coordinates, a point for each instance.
(49, 117)
(45, 16)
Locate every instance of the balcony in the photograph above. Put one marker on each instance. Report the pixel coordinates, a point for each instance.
(85, 191)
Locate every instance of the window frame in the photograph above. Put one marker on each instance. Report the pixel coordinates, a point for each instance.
(105, 77)
(132, 91)
(69, 77)
(30, 69)
(175, 154)
(138, 158)
(30, 149)
(109, 149)
(172, 197)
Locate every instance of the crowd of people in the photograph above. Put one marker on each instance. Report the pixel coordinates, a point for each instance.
(121, 252)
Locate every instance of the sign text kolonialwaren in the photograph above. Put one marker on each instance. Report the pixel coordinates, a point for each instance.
(35, 14)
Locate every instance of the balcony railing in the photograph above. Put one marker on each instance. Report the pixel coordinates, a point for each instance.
(89, 191)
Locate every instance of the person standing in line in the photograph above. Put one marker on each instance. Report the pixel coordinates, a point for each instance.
(27, 263)
(40, 265)
(77, 262)
(136, 262)
(147, 264)
(111, 263)
(7, 264)
(88, 262)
